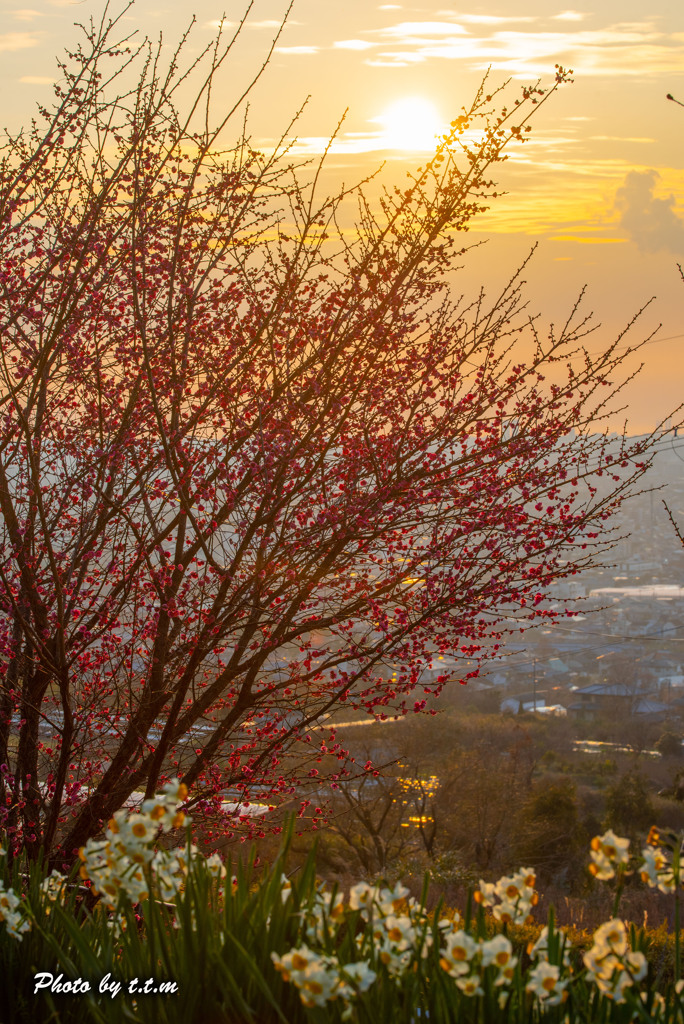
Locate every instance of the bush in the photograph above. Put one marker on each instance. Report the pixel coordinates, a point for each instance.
(629, 807)
(669, 744)
(549, 835)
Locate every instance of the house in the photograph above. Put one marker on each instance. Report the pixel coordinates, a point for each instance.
(522, 702)
(558, 666)
(671, 682)
(607, 698)
(650, 710)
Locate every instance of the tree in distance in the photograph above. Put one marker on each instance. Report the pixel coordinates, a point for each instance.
(254, 467)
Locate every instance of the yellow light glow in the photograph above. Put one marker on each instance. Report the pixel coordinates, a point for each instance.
(411, 124)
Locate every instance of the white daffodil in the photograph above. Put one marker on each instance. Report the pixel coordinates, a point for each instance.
(331, 905)
(400, 932)
(16, 926)
(285, 888)
(515, 894)
(361, 895)
(318, 985)
(184, 855)
(138, 830)
(544, 981)
(394, 901)
(499, 952)
(359, 975)
(621, 980)
(601, 966)
(541, 947)
(12, 914)
(167, 875)
(294, 962)
(470, 986)
(396, 961)
(512, 913)
(656, 870)
(611, 937)
(317, 977)
(611, 964)
(215, 866)
(636, 964)
(460, 951)
(52, 888)
(608, 852)
(486, 893)
(450, 924)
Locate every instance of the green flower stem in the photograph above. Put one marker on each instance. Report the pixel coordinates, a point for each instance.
(676, 873)
(618, 890)
(678, 952)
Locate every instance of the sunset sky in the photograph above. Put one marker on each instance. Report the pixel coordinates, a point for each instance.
(600, 184)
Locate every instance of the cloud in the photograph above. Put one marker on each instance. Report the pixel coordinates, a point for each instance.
(485, 19)
(569, 16)
(651, 222)
(394, 60)
(17, 41)
(269, 23)
(26, 14)
(623, 48)
(412, 31)
(620, 138)
(353, 44)
(295, 50)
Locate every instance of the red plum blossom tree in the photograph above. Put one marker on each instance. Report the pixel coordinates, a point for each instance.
(255, 466)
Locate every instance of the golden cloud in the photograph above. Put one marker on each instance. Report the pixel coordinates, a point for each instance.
(26, 14)
(296, 50)
(624, 48)
(17, 41)
(353, 44)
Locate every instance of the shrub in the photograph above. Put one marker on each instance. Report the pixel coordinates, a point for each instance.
(549, 833)
(629, 807)
(669, 744)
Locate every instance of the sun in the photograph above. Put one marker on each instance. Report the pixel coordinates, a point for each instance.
(411, 124)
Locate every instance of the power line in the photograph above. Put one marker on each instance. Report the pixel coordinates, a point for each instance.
(620, 638)
(625, 637)
(557, 657)
(638, 345)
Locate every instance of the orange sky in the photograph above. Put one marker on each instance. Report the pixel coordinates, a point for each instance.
(600, 185)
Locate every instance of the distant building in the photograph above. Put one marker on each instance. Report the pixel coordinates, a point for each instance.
(671, 682)
(604, 698)
(557, 665)
(568, 590)
(522, 702)
(659, 591)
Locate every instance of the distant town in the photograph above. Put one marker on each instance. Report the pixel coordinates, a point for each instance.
(624, 649)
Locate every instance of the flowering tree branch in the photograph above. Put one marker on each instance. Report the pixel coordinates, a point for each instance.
(253, 466)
